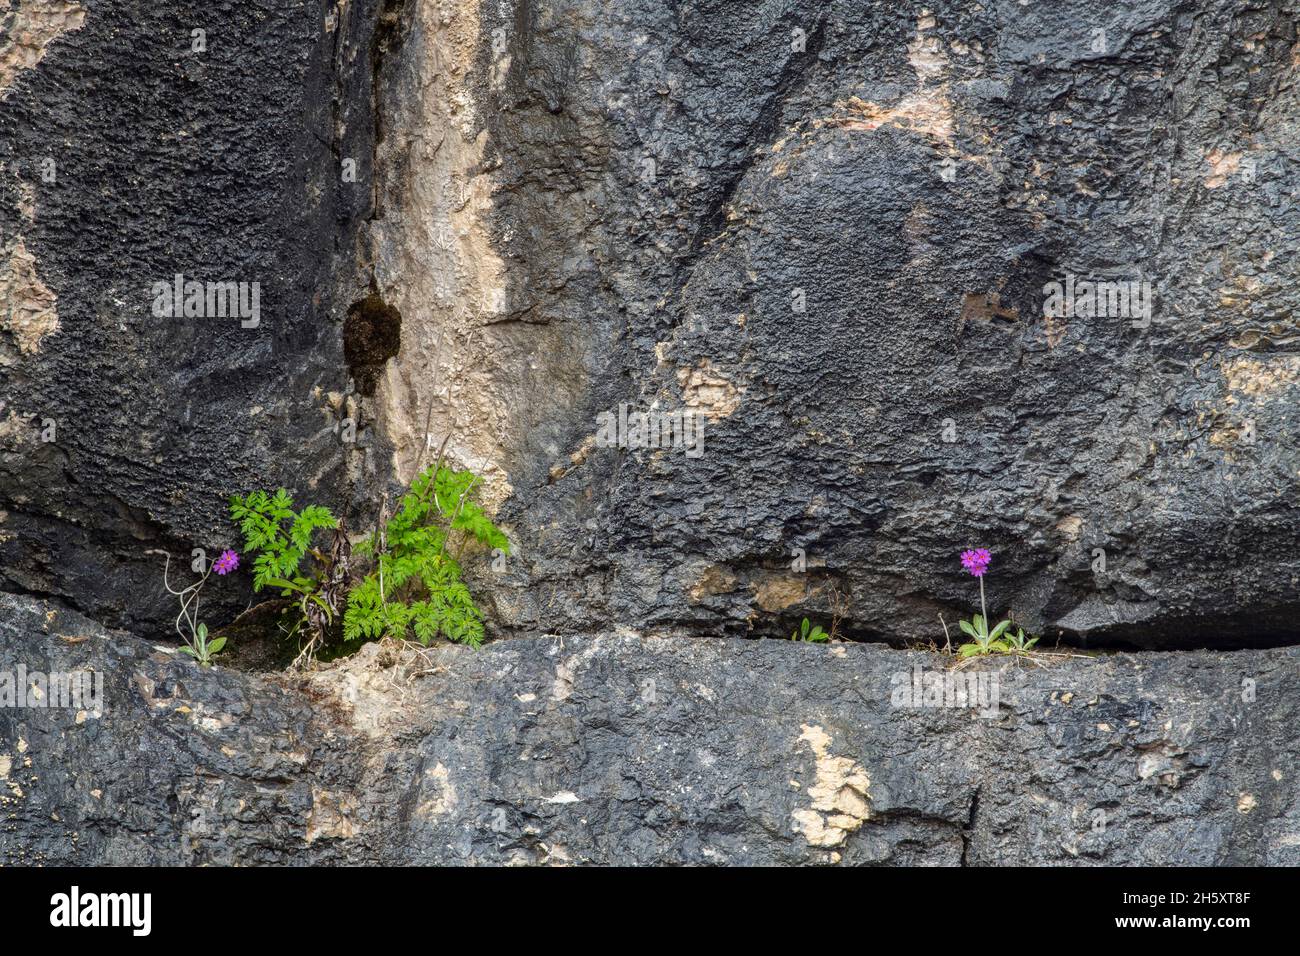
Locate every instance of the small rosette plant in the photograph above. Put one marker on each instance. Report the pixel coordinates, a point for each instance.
(197, 644)
(998, 639)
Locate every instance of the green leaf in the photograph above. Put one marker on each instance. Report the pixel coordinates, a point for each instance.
(967, 629)
(216, 645)
(286, 585)
(997, 631)
(189, 650)
(969, 650)
(999, 646)
(422, 593)
(201, 632)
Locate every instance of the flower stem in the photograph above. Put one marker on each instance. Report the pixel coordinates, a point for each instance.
(984, 609)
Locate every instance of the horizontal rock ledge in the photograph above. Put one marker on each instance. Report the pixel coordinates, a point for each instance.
(616, 749)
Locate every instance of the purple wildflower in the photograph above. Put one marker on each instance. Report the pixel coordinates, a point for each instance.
(228, 561)
(976, 561)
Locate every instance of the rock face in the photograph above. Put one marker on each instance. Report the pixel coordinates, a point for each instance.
(892, 280)
(830, 231)
(619, 749)
(130, 157)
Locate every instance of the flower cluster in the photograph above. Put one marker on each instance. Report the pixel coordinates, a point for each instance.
(976, 562)
(228, 561)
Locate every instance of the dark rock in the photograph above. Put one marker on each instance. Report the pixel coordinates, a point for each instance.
(221, 166)
(842, 256)
(827, 227)
(830, 231)
(620, 750)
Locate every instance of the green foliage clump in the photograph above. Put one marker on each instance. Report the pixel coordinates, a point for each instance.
(415, 586)
(1019, 643)
(809, 634)
(282, 538)
(262, 518)
(1000, 640)
(202, 649)
(984, 640)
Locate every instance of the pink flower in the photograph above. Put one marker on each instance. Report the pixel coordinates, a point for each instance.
(976, 561)
(228, 561)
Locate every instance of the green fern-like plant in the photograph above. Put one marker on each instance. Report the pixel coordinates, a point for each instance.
(415, 586)
(280, 547)
(282, 538)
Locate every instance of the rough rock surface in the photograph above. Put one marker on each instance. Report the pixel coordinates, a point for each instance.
(825, 227)
(622, 749)
(838, 254)
(126, 158)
